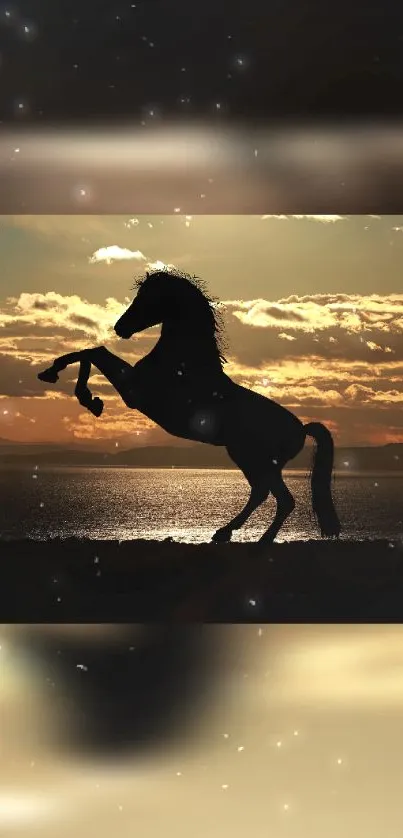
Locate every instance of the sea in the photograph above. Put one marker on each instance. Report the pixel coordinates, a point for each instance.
(187, 505)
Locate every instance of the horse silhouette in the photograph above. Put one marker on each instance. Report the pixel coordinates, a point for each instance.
(182, 387)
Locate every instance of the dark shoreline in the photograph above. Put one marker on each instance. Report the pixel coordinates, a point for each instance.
(83, 581)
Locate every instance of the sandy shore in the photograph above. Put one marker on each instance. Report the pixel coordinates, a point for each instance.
(141, 581)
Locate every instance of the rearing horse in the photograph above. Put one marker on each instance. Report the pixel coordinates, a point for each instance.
(181, 385)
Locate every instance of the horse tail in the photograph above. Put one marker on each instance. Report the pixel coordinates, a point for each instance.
(321, 476)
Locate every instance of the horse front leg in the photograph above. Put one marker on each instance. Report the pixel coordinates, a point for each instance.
(118, 372)
(94, 404)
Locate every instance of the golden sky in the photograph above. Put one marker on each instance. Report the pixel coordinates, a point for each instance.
(313, 311)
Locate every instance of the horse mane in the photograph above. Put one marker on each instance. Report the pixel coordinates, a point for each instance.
(199, 285)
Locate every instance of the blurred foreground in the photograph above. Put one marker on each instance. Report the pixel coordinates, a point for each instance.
(283, 731)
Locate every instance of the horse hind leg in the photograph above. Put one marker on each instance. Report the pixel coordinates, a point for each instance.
(260, 490)
(259, 493)
(285, 506)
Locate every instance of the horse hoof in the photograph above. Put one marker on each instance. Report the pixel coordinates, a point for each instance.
(97, 406)
(222, 536)
(50, 375)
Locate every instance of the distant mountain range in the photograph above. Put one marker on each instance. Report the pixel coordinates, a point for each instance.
(384, 458)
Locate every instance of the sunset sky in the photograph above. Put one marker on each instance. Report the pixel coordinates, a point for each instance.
(313, 314)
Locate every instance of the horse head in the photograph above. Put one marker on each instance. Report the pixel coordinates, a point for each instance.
(148, 307)
(168, 297)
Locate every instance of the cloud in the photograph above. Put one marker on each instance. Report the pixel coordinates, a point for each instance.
(159, 266)
(284, 336)
(18, 377)
(351, 313)
(114, 253)
(375, 348)
(329, 354)
(52, 310)
(368, 395)
(262, 313)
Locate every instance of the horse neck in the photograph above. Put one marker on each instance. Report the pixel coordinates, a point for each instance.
(191, 343)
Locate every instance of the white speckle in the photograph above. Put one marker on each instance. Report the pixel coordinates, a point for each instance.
(225, 786)
(240, 748)
(82, 666)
